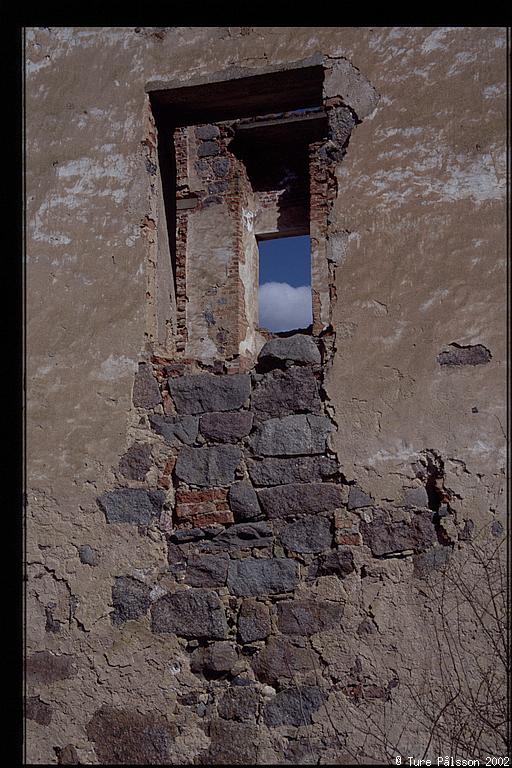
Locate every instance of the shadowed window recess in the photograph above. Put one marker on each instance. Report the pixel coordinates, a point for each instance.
(285, 283)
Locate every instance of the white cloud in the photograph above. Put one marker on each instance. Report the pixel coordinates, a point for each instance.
(284, 308)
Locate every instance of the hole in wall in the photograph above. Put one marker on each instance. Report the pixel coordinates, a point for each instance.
(284, 294)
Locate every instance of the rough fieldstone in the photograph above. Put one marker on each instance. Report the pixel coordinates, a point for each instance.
(291, 435)
(358, 498)
(210, 466)
(176, 429)
(299, 349)
(299, 498)
(130, 599)
(203, 392)
(124, 737)
(220, 166)
(67, 755)
(299, 469)
(253, 621)
(131, 505)
(386, 538)
(207, 570)
(46, 667)
(284, 392)
(208, 149)
(243, 536)
(225, 427)
(416, 497)
(339, 562)
(239, 704)
(136, 462)
(192, 613)
(207, 132)
(88, 555)
(38, 710)
(306, 617)
(146, 392)
(283, 658)
(307, 535)
(243, 502)
(433, 560)
(213, 660)
(458, 355)
(231, 743)
(262, 577)
(294, 706)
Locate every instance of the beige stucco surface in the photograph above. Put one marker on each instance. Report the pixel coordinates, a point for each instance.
(418, 234)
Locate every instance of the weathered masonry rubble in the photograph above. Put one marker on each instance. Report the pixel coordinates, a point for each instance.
(261, 529)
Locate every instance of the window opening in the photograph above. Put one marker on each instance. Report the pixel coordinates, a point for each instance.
(284, 294)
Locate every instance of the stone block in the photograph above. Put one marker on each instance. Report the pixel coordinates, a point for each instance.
(130, 599)
(226, 427)
(243, 502)
(298, 349)
(231, 743)
(206, 467)
(292, 435)
(176, 430)
(253, 621)
(435, 559)
(136, 462)
(46, 667)
(208, 149)
(88, 555)
(38, 710)
(284, 658)
(243, 536)
(307, 617)
(214, 660)
(281, 393)
(254, 576)
(339, 562)
(358, 498)
(125, 737)
(307, 535)
(204, 392)
(207, 132)
(294, 706)
(146, 392)
(475, 354)
(191, 613)
(131, 505)
(387, 538)
(299, 499)
(206, 570)
(416, 497)
(298, 469)
(239, 704)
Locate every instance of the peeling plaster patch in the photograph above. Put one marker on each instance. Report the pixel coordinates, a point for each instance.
(248, 217)
(438, 296)
(402, 454)
(115, 166)
(402, 324)
(434, 41)
(116, 367)
(461, 60)
(491, 91)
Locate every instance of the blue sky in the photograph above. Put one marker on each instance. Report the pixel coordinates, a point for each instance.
(285, 283)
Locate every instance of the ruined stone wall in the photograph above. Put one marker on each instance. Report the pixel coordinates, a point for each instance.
(296, 560)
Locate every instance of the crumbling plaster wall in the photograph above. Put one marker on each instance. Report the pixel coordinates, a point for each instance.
(417, 232)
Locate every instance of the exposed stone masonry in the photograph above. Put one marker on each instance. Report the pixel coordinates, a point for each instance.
(258, 518)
